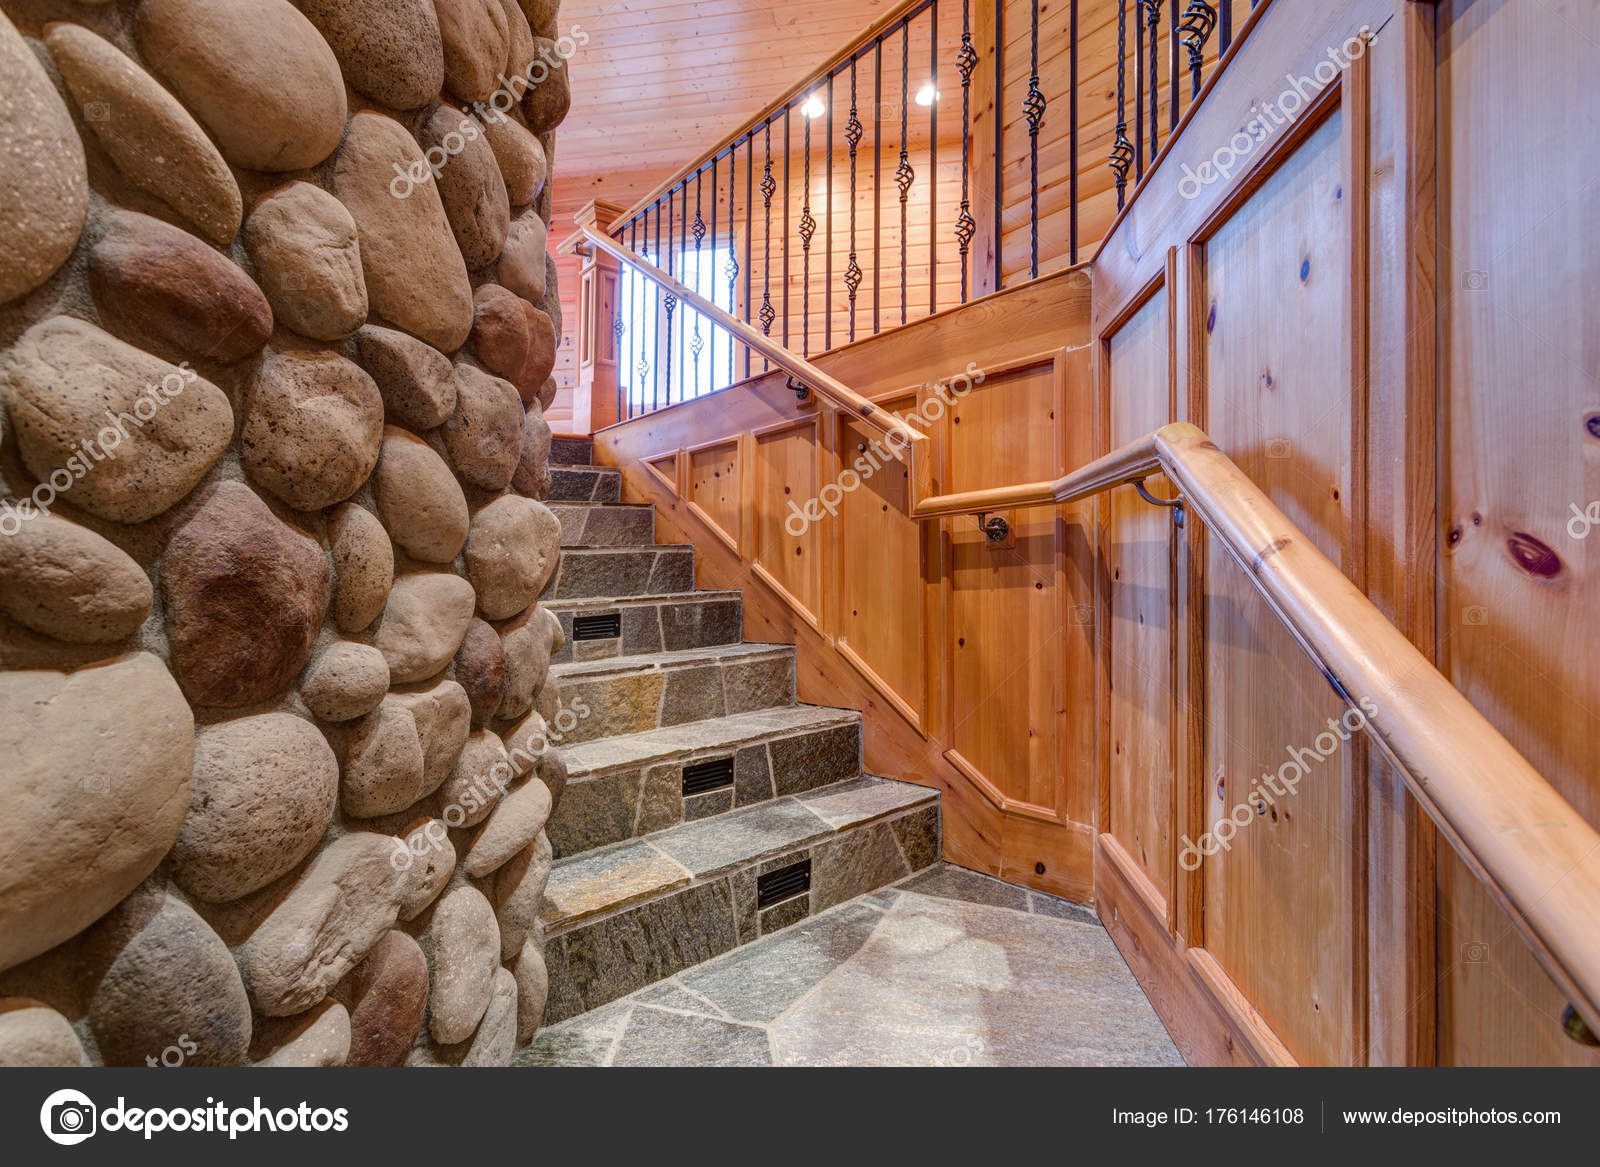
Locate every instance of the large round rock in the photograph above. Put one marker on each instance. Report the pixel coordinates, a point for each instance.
(363, 567)
(153, 140)
(461, 944)
(152, 280)
(72, 384)
(389, 50)
(95, 786)
(423, 624)
(512, 550)
(417, 381)
(416, 278)
(264, 789)
(419, 500)
(308, 255)
(387, 995)
(65, 581)
(470, 186)
(256, 72)
(313, 422)
(521, 160)
(477, 41)
(532, 476)
(345, 681)
(163, 978)
(245, 596)
(522, 260)
(44, 184)
(484, 435)
(480, 669)
(34, 1035)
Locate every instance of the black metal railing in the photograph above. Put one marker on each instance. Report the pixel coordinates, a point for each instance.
(1026, 182)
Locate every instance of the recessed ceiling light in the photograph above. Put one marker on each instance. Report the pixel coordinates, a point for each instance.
(813, 108)
(927, 94)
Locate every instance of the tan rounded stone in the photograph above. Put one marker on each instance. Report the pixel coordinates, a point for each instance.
(263, 795)
(44, 186)
(522, 259)
(419, 500)
(533, 990)
(313, 424)
(496, 1035)
(443, 719)
(423, 624)
(518, 888)
(547, 393)
(153, 140)
(529, 640)
(154, 282)
(345, 681)
(541, 16)
(339, 907)
(382, 762)
(95, 786)
(551, 304)
(532, 476)
(389, 50)
(428, 860)
(470, 186)
(546, 104)
(308, 256)
(64, 375)
(363, 567)
(523, 165)
(33, 1034)
(245, 597)
(477, 41)
(387, 997)
(417, 381)
(484, 435)
(67, 582)
(475, 785)
(512, 550)
(256, 72)
(461, 944)
(318, 1037)
(515, 823)
(416, 278)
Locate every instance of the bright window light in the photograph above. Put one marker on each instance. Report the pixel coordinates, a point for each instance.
(927, 95)
(813, 108)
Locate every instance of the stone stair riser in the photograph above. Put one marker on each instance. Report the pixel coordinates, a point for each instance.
(637, 700)
(605, 524)
(609, 573)
(571, 451)
(664, 625)
(584, 484)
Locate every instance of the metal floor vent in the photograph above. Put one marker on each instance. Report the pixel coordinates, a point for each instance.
(704, 776)
(607, 627)
(785, 883)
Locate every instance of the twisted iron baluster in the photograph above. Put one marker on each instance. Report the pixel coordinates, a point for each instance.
(1121, 157)
(768, 185)
(808, 227)
(1199, 19)
(669, 301)
(635, 284)
(1152, 18)
(852, 136)
(966, 62)
(904, 175)
(731, 268)
(1033, 106)
(697, 345)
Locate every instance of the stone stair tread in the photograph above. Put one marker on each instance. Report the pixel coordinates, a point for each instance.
(713, 735)
(585, 603)
(608, 879)
(657, 660)
(584, 467)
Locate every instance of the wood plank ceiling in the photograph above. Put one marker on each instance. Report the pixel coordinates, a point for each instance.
(658, 83)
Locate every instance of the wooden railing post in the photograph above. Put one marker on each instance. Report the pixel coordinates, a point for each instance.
(597, 393)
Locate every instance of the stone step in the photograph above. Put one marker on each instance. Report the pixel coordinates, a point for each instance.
(611, 572)
(585, 484)
(571, 451)
(606, 524)
(625, 916)
(621, 787)
(635, 694)
(646, 624)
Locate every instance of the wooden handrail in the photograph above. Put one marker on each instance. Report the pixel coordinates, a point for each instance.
(1536, 854)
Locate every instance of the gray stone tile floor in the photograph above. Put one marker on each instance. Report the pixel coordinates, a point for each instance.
(947, 968)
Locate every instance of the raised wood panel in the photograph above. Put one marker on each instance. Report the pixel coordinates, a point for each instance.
(714, 486)
(789, 552)
(1279, 404)
(1140, 548)
(1521, 414)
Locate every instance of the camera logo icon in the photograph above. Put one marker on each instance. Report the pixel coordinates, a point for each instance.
(68, 1117)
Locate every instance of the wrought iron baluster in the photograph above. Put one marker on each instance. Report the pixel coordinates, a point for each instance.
(1072, 132)
(933, 160)
(1121, 158)
(1225, 26)
(1199, 19)
(1033, 106)
(877, 178)
(769, 186)
(669, 301)
(966, 61)
(682, 271)
(1152, 17)
(788, 153)
(904, 175)
(827, 232)
(852, 137)
(635, 309)
(808, 228)
(1138, 89)
(1175, 96)
(696, 344)
(749, 218)
(731, 268)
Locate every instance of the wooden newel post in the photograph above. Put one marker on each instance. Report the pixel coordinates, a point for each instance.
(595, 396)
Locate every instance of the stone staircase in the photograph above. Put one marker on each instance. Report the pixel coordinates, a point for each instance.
(704, 807)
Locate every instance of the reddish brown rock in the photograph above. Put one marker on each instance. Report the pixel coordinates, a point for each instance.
(480, 669)
(154, 281)
(546, 104)
(541, 360)
(470, 186)
(389, 50)
(245, 595)
(500, 331)
(417, 382)
(484, 435)
(387, 996)
(542, 15)
(520, 157)
(312, 427)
